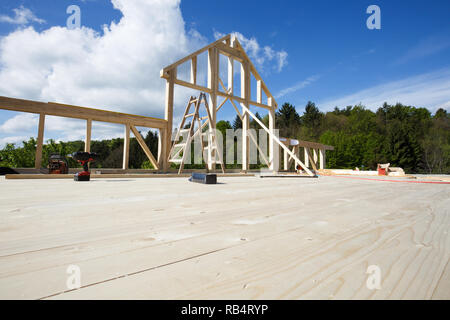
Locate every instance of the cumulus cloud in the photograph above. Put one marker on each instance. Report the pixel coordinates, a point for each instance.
(430, 90)
(21, 122)
(263, 56)
(22, 16)
(117, 69)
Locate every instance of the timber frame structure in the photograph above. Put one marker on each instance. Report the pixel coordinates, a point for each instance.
(227, 46)
(230, 47)
(129, 121)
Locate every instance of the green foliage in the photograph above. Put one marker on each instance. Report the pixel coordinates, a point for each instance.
(405, 136)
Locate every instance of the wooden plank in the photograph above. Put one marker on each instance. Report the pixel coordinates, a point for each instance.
(230, 76)
(213, 81)
(165, 71)
(168, 115)
(306, 155)
(39, 142)
(70, 111)
(126, 147)
(240, 249)
(245, 93)
(258, 91)
(322, 159)
(87, 142)
(273, 147)
(194, 70)
(144, 147)
(278, 141)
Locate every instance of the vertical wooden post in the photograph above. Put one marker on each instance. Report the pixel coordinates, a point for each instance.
(322, 159)
(213, 81)
(161, 148)
(258, 91)
(306, 157)
(194, 70)
(245, 94)
(39, 142)
(126, 147)
(230, 75)
(87, 142)
(315, 156)
(169, 117)
(273, 147)
(285, 159)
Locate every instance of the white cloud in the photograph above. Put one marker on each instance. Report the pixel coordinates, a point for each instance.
(117, 69)
(261, 56)
(298, 86)
(22, 16)
(17, 140)
(429, 90)
(21, 122)
(424, 48)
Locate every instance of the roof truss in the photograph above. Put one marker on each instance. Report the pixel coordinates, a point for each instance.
(230, 47)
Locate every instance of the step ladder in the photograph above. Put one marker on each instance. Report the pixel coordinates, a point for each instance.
(185, 145)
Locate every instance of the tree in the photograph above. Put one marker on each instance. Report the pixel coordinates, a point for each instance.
(237, 123)
(287, 120)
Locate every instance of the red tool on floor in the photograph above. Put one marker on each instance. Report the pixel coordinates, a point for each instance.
(84, 158)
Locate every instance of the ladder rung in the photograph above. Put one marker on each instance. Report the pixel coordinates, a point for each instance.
(203, 118)
(184, 130)
(189, 115)
(175, 160)
(179, 145)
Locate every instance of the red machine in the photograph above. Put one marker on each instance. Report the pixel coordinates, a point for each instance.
(84, 158)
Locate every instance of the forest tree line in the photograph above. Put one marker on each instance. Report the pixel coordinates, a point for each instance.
(405, 136)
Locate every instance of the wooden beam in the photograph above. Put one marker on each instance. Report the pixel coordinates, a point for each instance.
(230, 76)
(194, 70)
(258, 91)
(39, 142)
(70, 111)
(322, 159)
(245, 95)
(144, 147)
(126, 147)
(164, 73)
(213, 83)
(230, 52)
(170, 82)
(162, 151)
(87, 142)
(273, 148)
(281, 144)
(306, 156)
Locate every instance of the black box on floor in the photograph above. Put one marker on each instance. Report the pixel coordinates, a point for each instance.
(206, 178)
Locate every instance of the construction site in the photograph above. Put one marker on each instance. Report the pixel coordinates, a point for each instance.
(295, 229)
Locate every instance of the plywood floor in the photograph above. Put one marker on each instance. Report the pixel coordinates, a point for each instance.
(246, 238)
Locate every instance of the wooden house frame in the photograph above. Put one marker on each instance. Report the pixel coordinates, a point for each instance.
(230, 47)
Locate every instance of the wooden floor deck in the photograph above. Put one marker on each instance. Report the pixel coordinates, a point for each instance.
(245, 238)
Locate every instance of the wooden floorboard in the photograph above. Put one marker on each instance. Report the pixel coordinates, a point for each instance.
(246, 238)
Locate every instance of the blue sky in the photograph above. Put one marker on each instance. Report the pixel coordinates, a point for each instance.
(329, 55)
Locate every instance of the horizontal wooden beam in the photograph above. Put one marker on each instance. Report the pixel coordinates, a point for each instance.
(306, 144)
(163, 72)
(76, 112)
